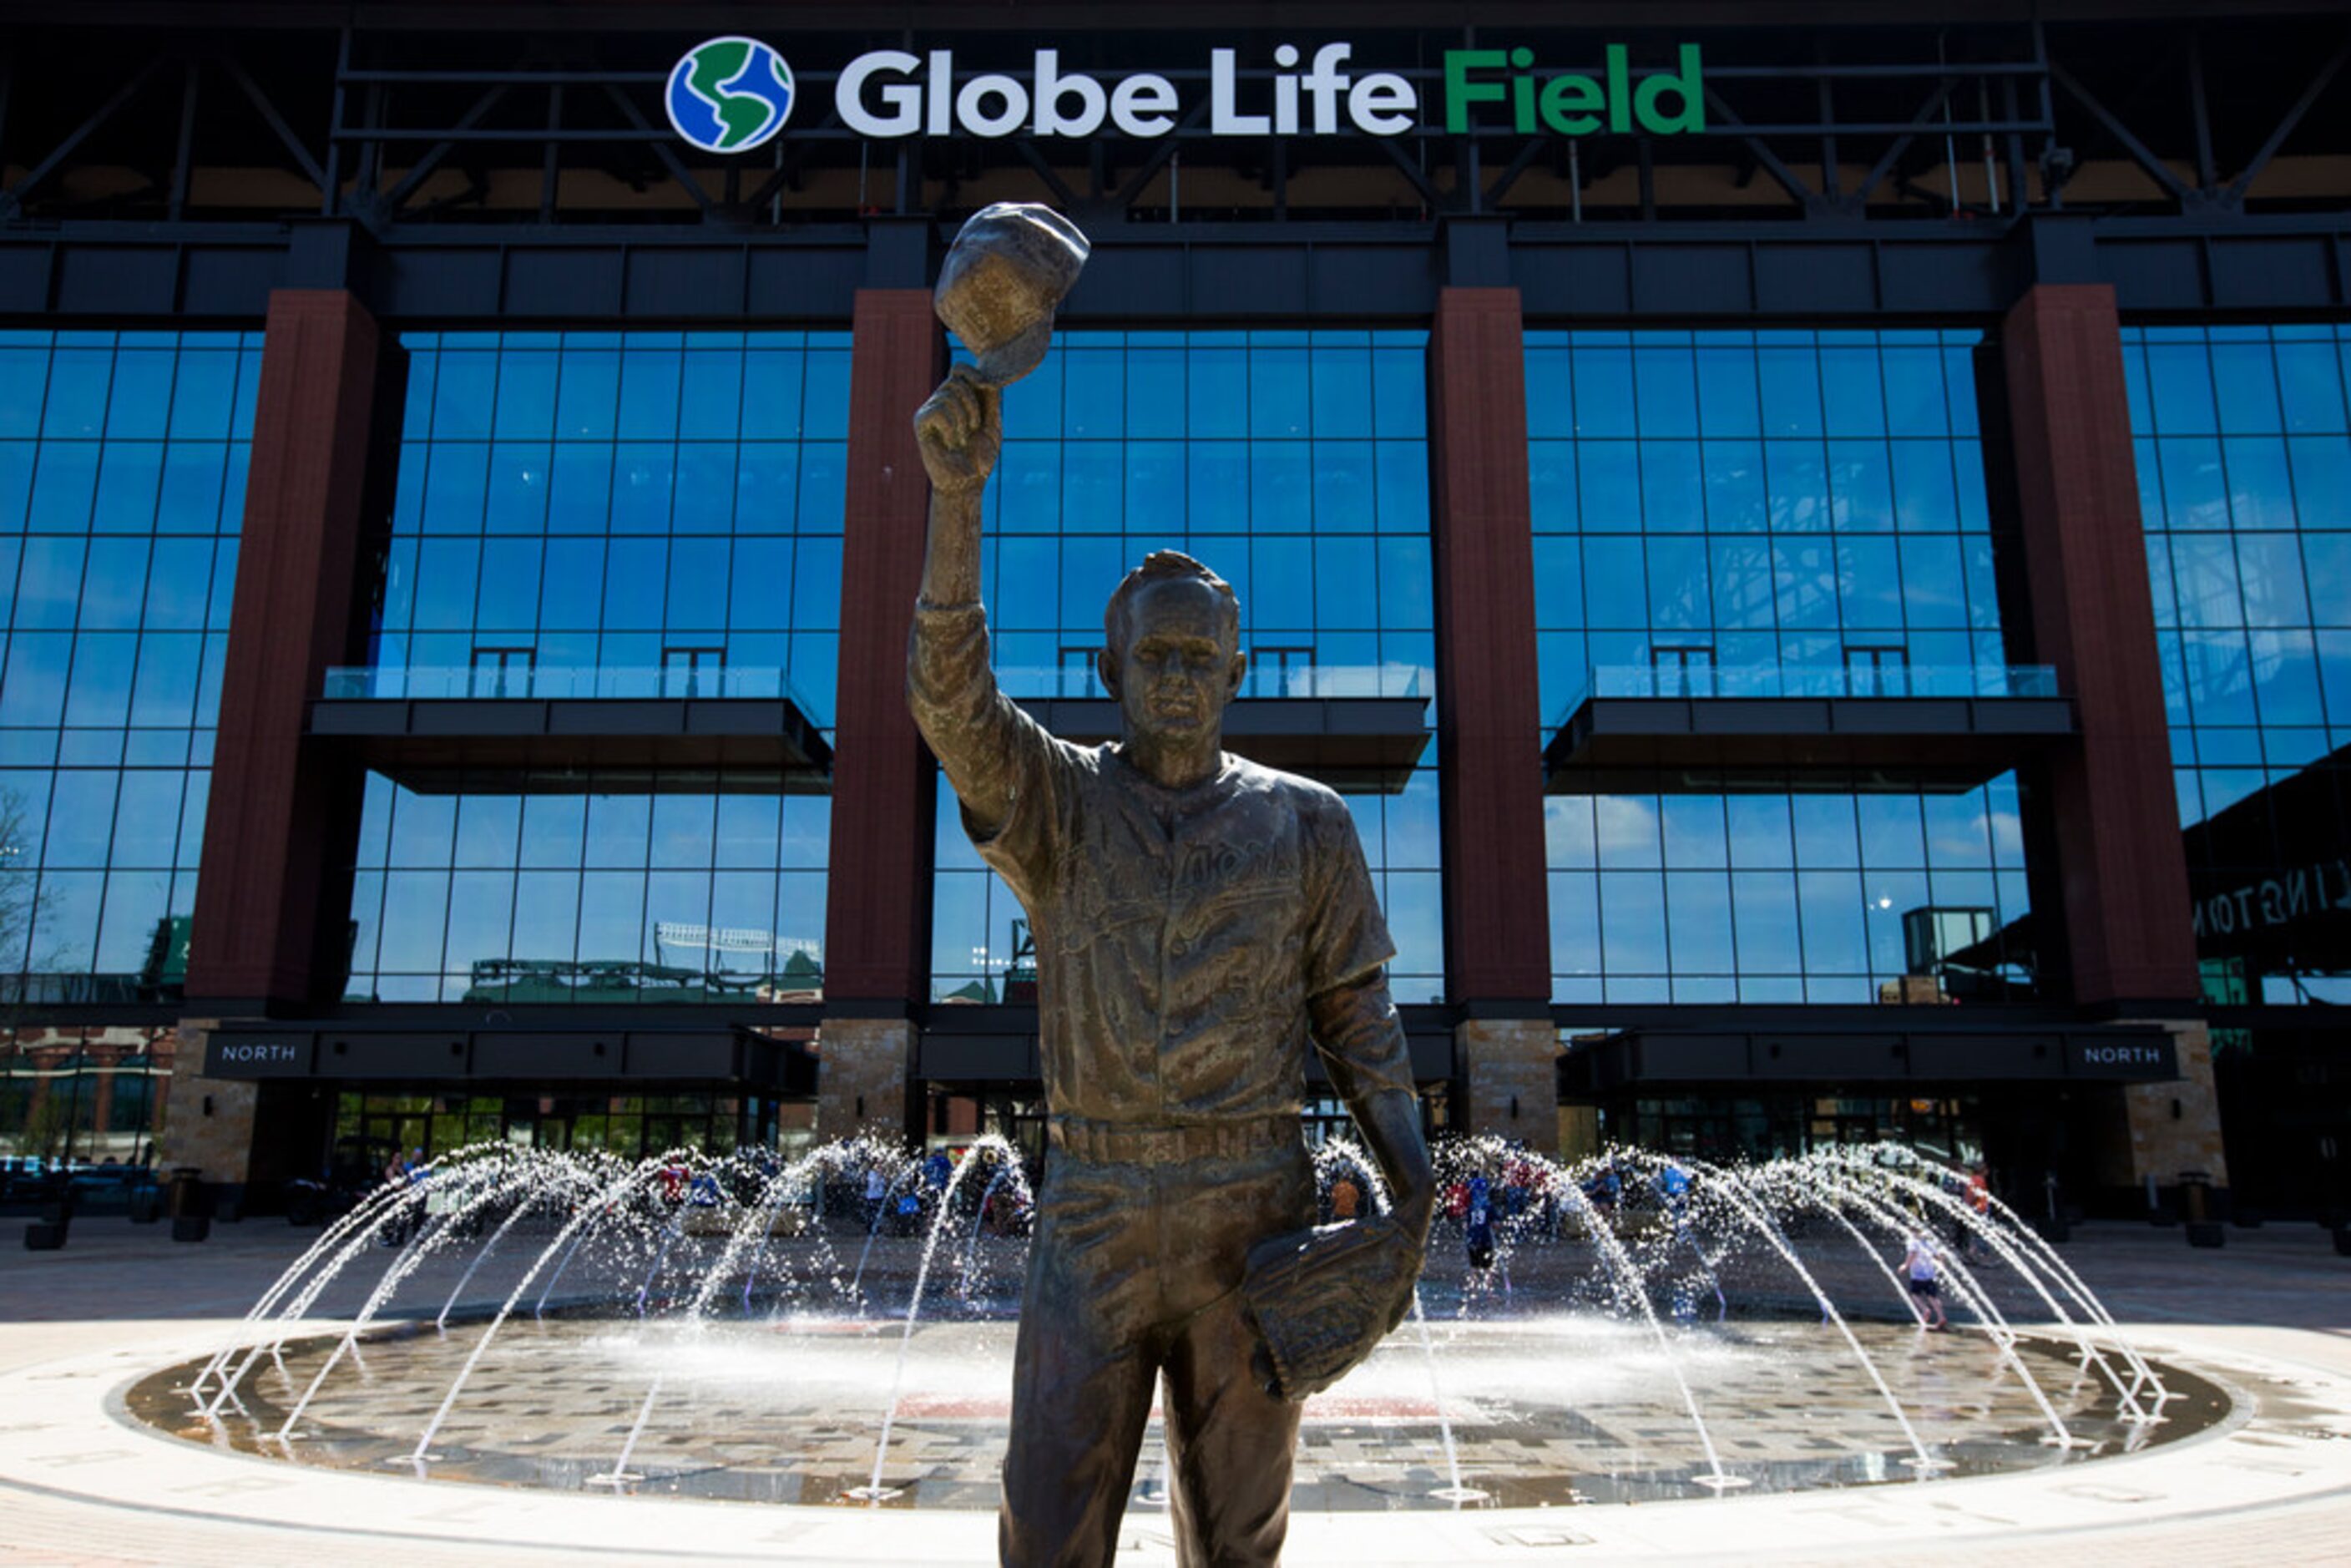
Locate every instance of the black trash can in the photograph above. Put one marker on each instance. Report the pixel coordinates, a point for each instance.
(184, 1193)
(2343, 1241)
(2197, 1206)
(191, 1227)
(146, 1203)
(42, 1236)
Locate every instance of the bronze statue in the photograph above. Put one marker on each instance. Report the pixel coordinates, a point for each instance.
(1199, 920)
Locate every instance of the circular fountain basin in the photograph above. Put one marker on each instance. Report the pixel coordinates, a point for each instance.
(1543, 1410)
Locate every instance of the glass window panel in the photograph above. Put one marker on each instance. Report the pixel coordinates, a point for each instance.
(1278, 396)
(617, 830)
(613, 917)
(103, 671)
(1892, 832)
(1759, 830)
(1830, 904)
(2285, 678)
(588, 389)
(1825, 834)
(635, 581)
(649, 393)
(65, 484)
(553, 830)
(139, 400)
(2245, 389)
(1913, 381)
(772, 394)
(1696, 834)
(2179, 382)
(1603, 391)
(463, 394)
(1626, 831)
(1934, 586)
(1403, 468)
(78, 381)
(1633, 923)
(171, 666)
(1764, 924)
(1790, 393)
(1861, 485)
(1852, 397)
(1664, 383)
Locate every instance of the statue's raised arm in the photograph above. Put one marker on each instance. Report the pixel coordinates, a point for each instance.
(1007, 270)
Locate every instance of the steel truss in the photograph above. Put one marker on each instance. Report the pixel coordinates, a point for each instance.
(1973, 121)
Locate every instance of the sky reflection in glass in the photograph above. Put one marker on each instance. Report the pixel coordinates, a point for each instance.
(1295, 465)
(1715, 500)
(122, 465)
(2244, 447)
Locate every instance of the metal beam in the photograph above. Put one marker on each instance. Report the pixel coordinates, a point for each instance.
(2155, 166)
(1884, 164)
(176, 205)
(12, 201)
(276, 122)
(2244, 181)
(422, 170)
(1785, 177)
(661, 150)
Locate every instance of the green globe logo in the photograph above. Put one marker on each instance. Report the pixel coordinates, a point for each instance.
(729, 95)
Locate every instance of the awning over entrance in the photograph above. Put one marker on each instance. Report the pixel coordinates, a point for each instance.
(735, 1056)
(1660, 1059)
(439, 744)
(1356, 745)
(1712, 746)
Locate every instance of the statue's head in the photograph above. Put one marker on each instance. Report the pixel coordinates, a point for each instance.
(1173, 655)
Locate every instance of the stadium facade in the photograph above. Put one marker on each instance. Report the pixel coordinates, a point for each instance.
(1815, 538)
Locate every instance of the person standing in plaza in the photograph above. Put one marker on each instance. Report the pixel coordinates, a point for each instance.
(1922, 1265)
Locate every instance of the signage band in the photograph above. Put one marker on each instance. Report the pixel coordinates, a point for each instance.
(730, 95)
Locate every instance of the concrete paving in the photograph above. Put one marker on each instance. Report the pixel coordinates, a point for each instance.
(81, 1482)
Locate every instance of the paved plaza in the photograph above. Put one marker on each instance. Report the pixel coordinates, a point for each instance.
(82, 1482)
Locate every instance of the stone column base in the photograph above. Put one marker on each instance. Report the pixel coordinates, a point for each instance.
(1510, 1068)
(862, 1069)
(207, 1122)
(2162, 1144)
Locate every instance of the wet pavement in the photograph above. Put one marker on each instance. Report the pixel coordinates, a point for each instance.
(2268, 1317)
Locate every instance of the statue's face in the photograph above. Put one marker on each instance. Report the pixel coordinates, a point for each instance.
(1180, 665)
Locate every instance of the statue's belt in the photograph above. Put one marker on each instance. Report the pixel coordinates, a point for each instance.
(1120, 1143)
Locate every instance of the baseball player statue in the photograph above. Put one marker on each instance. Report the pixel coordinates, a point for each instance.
(1201, 923)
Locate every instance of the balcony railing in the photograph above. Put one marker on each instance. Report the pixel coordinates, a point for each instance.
(544, 683)
(1741, 681)
(1309, 681)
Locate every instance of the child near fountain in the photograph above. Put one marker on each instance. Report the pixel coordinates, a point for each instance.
(1922, 1263)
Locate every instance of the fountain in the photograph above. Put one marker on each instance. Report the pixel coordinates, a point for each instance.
(1639, 1327)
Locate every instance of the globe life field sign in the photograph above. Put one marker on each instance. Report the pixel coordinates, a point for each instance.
(719, 93)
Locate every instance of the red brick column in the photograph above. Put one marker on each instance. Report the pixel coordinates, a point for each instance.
(877, 920)
(2123, 873)
(264, 937)
(1489, 734)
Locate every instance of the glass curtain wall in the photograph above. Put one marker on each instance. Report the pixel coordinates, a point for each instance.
(122, 465)
(1294, 465)
(2244, 466)
(607, 515)
(1767, 511)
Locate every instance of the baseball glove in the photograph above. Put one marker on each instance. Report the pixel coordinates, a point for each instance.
(1321, 1299)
